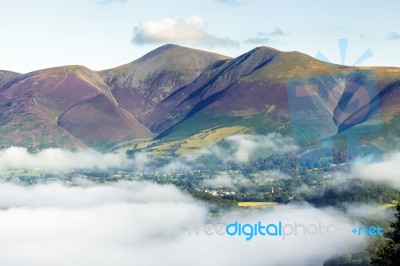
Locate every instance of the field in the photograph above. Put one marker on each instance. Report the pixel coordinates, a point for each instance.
(389, 205)
(257, 204)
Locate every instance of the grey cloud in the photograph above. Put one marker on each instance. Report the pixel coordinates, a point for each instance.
(109, 2)
(277, 32)
(234, 3)
(262, 37)
(393, 36)
(258, 40)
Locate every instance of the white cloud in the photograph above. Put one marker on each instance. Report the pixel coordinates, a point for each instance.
(142, 161)
(244, 147)
(223, 180)
(385, 171)
(191, 31)
(176, 165)
(59, 159)
(247, 145)
(365, 211)
(237, 181)
(134, 223)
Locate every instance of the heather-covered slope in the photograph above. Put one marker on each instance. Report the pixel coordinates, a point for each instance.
(44, 108)
(249, 90)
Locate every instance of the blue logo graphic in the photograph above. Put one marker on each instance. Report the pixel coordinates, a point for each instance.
(343, 53)
(329, 112)
(281, 230)
(251, 230)
(368, 231)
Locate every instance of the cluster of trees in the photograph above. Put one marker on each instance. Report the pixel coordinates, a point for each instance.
(383, 251)
(389, 253)
(337, 193)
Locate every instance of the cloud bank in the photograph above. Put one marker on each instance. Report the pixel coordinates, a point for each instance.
(241, 150)
(188, 31)
(138, 223)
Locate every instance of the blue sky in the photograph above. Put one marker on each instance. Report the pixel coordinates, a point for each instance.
(101, 34)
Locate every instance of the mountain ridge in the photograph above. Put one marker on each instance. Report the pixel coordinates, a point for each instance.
(172, 94)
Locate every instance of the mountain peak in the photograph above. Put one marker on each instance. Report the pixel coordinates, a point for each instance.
(165, 49)
(177, 51)
(265, 49)
(260, 53)
(147, 81)
(171, 46)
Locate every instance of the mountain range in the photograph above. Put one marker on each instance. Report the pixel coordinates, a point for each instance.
(176, 99)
